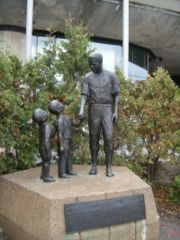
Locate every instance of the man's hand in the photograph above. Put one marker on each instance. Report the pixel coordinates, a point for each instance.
(114, 118)
(62, 149)
(81, 117)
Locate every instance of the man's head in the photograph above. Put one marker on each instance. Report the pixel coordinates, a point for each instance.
(39, 116)
(95, 62)
(56, 107)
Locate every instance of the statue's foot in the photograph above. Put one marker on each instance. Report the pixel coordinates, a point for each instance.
(72, 173)
(93, 170)
(109, 172)
(63, 176)
(48, 179)
(52, 178)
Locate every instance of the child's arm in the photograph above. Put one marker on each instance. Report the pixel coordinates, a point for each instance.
(78, 123)
(53, 130)
(60, 134)
(46, 146)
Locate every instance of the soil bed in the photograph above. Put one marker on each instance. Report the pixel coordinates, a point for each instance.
(169, 213)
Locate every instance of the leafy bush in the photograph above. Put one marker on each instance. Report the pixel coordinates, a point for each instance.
(148, 126)
(13, 121)
(175, 190)
(26, 87)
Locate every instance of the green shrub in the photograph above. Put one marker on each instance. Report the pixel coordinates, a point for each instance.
(26, 87)
(148, 126)
(175, 190)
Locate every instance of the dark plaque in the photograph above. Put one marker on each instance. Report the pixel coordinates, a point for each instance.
(103, 213)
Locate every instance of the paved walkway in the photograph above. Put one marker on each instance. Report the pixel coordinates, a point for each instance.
(169, 228)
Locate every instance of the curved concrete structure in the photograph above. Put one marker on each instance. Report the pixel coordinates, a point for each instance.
(154, 24)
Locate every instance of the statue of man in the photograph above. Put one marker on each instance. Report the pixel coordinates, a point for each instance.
(101, 89)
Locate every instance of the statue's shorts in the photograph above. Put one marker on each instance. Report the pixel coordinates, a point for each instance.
(100, 118)
(65, 158)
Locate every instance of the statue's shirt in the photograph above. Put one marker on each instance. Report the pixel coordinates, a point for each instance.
(100, 88)
(64, 125)
(45, 143)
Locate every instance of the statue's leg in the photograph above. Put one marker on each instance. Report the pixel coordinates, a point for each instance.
(109, 155)
(94, 154)
(69, 165)
(68, 157)
(45, 173)
(62, 165)
(42, 171)
(94, 135)
(46, 159)
(107, 126)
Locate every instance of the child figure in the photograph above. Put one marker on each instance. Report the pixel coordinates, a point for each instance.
(40, 116)
(63, 126)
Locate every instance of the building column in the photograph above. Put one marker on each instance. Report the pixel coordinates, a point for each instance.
(125, 37)
(29, 22)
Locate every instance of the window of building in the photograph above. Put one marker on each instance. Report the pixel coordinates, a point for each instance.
(138, 63)
(112, 56)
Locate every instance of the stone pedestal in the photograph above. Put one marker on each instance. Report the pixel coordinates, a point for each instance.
(33, 210)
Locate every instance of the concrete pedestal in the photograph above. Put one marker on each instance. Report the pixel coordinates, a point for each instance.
(33, 210)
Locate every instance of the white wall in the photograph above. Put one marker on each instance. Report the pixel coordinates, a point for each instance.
(172, 5)
(13, 42)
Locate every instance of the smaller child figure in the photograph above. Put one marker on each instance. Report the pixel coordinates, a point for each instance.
(63, 126)
(40, 116)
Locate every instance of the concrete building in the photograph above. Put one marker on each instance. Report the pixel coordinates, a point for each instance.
(154, 29)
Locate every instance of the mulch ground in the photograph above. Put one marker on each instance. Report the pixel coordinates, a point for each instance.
(169, 213)
(164, 205)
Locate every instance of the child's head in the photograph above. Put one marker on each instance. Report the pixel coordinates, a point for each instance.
(56, 107)
(39, 115)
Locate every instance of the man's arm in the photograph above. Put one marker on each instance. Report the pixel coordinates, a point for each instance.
(115, 114)
(84, 96)
(115, 93)
(82, 105)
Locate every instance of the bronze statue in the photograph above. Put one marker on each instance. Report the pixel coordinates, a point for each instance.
(101, 89)
(63, 126)
(40, 116)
